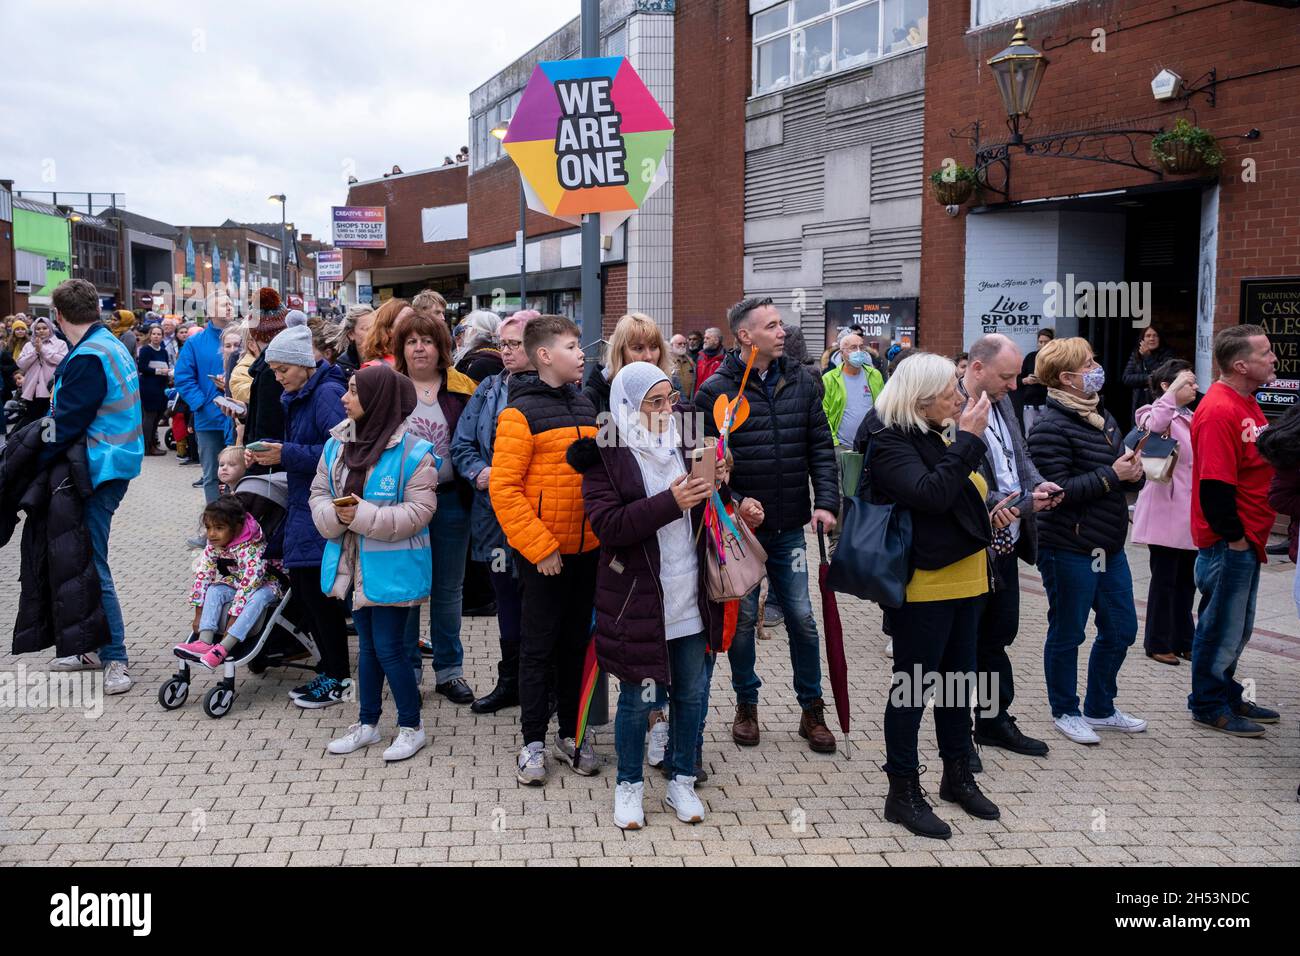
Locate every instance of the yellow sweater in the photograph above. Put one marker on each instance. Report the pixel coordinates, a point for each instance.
(961, 579)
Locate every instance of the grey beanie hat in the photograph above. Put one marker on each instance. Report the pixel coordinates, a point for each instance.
(292, 347)
(295, 317)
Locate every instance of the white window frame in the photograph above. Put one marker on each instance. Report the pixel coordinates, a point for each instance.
(837, 9)
(1024, 8)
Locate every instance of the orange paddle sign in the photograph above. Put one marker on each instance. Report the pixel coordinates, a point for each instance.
(732, 413)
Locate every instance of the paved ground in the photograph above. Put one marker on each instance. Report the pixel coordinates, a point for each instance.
(138, 784)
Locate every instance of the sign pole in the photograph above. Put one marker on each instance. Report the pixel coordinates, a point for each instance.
(590, 317)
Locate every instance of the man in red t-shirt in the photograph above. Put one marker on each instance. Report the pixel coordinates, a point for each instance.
(1231, 519)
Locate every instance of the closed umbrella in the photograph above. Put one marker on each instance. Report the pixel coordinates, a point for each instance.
(835, 662)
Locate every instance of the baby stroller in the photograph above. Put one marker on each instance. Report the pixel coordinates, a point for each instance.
(275, 641)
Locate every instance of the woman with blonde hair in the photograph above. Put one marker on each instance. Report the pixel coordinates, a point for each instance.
(636, 338)
(378, 345)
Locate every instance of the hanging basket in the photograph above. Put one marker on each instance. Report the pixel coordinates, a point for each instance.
(1179, 158)
(954, 193)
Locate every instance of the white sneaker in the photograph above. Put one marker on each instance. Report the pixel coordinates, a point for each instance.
(1076, 729)
(409, 742)
(681, 798)
(1124, 723)
(358, 736)
(889, 648)
(77, 662)
(531, 769)
(116, 679)
(628, 814)
(657, 744)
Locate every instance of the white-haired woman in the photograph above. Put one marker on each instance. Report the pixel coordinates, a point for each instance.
(921, 456)
(479, 355)
(353, 329)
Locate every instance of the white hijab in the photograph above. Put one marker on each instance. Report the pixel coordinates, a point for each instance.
(655, 452)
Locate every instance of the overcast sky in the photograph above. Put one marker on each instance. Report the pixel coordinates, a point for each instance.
(198, 111)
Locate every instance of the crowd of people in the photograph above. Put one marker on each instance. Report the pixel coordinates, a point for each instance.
(416, 457)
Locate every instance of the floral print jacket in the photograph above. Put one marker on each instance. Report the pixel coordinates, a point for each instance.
(247, 553)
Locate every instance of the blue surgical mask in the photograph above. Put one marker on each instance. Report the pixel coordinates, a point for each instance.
(1093, 380)
(857, 359)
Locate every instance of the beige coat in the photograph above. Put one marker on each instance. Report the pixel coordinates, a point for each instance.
(382, 522)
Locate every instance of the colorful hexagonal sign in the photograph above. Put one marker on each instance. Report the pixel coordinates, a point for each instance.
(588, 137)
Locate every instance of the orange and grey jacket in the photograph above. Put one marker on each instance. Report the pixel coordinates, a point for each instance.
(537, 495)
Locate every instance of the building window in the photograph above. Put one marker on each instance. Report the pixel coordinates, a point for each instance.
(984, 12)
(614, 43)
(801, 40)
(486, 148)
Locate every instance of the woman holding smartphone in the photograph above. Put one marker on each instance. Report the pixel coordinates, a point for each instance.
(374, 493)
(1078, 445)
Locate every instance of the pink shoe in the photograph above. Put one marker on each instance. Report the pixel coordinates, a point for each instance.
(194, 649)
(215, 656)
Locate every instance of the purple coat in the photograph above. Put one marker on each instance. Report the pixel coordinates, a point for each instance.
(630, 642)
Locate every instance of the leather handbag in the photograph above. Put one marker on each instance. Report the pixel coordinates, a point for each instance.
(872, 557)
(744, 569)
(1159, 453)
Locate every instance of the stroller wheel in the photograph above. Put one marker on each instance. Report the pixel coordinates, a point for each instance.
(173, 693)
(218, 701)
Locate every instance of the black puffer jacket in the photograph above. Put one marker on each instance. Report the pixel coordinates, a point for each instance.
(596, 388)
(60, 603)
(1079, 458)
(784, 444)
(1138, 371)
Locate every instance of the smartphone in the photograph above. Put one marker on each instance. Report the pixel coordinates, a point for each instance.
(258, 446)
(704, 463)
(346, 501)
(216, 380)
(1026, 499)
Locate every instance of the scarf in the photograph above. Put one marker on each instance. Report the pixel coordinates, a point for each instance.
(387, 400)
(655, 452)
(1085, 408)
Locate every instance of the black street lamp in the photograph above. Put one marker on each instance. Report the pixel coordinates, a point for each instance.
(1018, 71)
(280, 198)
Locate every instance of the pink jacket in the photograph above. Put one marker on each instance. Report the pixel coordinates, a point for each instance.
(248, 552)
(38, 365)
(1163, 514)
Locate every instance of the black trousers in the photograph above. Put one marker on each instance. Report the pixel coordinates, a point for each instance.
(1169, 627)
(325, 620)
(998, 625)
(930, 638)
(509, 611)
(554, 632)
(150, 422)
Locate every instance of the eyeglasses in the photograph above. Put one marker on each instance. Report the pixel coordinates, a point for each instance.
(667, 401)
(509, 345)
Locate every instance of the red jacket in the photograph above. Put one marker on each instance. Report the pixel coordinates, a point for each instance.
(706, 365)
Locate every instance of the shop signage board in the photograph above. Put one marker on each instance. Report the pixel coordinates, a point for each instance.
(884, 321)
(360, 227)
(329, 265)
(1274, 304)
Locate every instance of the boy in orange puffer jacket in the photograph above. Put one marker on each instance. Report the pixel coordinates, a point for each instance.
(537, 497)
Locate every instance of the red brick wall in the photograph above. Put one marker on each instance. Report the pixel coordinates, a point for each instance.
(614, 306)
(494, 204)
(710, 85)
(1259, 227)
(405, 197)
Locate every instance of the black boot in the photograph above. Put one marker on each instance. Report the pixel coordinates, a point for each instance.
(500, 697)
(958, 786)
(906, 804)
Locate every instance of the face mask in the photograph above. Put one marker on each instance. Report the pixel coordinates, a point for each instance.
(857, 359)
(1093, 380)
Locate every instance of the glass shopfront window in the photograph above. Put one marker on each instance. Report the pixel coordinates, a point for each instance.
(995, 11)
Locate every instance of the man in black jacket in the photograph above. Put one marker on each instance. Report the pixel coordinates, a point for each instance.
(783, 445)
(994, 363)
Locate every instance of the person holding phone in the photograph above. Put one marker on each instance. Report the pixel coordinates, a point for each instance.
(993, 365)
(1078, 445)
(655, 622)
(374, 493)
(923, 451)
(37, 362)
(1160, 519)
(200, 358)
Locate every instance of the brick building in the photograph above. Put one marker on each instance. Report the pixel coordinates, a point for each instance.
(426, 234)
(1194, 238)
(7, 257)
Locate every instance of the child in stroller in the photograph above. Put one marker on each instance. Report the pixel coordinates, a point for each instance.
(231, 577)
(278, 641)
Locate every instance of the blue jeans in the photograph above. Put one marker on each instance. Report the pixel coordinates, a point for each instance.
(686, 667)
(210, 445)
(1228, 581)
(380, 655)
(449, 535)
(218, 598)
(787, 574)
(99, 518)
(1073, 589)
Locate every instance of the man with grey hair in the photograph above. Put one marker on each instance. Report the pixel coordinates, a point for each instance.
(710, 357)
(994, 363)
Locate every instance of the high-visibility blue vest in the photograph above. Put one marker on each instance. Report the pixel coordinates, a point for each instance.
(392, 572)
(115, 439)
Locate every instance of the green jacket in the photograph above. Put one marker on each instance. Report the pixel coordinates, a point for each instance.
(834, 400)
